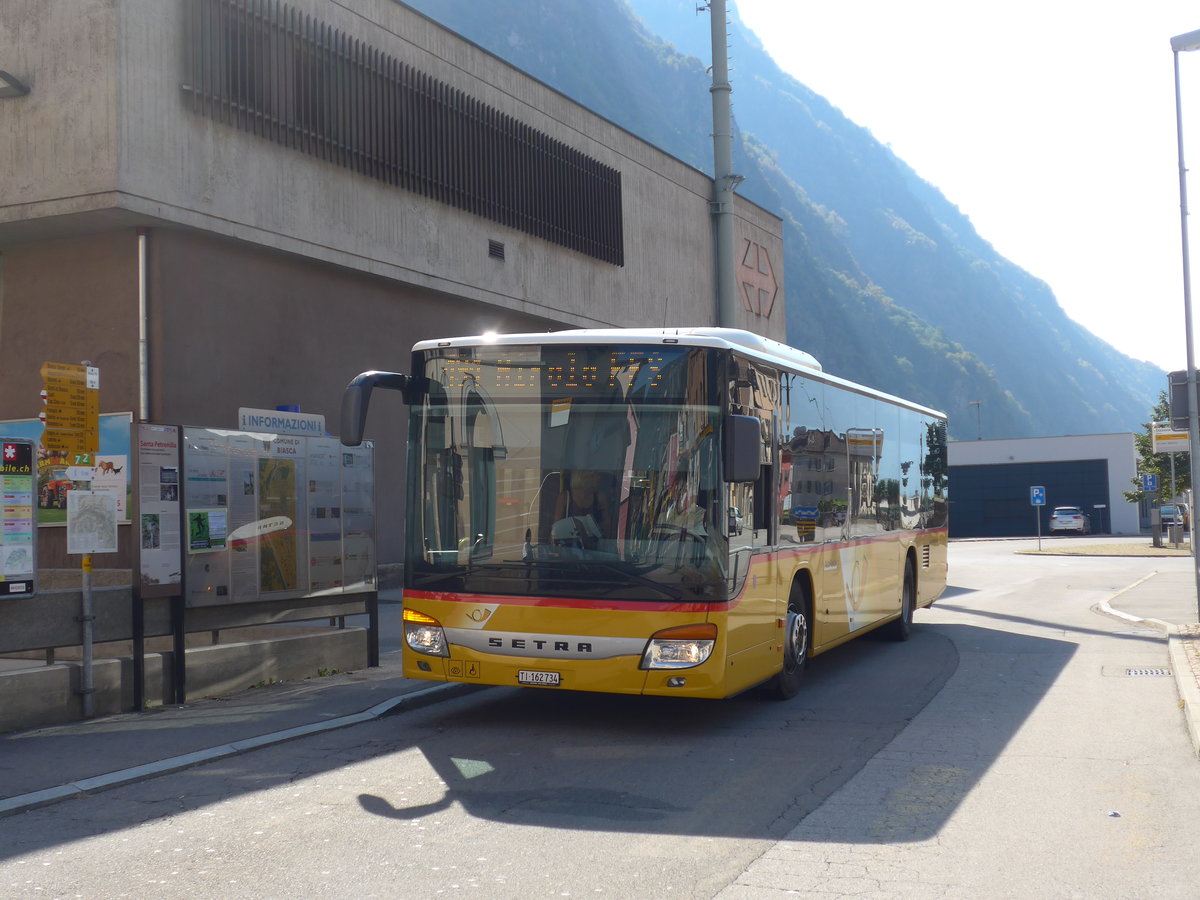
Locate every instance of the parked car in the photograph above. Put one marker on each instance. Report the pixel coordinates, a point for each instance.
(1175, 514)
(1070, 518)
(735, 520)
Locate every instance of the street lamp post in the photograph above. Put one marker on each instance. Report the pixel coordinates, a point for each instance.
(978, 418)
(1182, 43)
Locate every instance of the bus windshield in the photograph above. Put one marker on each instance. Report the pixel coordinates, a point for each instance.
(568, 471)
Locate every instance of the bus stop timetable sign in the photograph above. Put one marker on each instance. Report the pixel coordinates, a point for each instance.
(1037, 496)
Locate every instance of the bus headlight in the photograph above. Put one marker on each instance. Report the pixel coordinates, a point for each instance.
(679, 648)
(424, 634)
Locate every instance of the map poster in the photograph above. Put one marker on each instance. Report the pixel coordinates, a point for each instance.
(18, 549)
(277, 561)
(91, 522)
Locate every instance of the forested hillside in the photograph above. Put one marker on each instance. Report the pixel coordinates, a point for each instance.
(887, 281)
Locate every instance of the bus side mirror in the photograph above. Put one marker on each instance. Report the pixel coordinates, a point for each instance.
(743, 439)
(357, 396)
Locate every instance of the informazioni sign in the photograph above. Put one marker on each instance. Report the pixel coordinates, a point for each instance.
(274, 421)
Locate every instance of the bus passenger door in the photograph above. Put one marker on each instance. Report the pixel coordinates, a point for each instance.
(752, 524)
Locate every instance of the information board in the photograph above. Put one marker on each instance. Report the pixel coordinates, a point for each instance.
(275, 516)
(18, 544)
(160, 546)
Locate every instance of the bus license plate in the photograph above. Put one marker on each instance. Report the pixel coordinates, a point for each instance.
(544, 679)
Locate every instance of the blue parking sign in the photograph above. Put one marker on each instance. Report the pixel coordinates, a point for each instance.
(1149, 482)
(1037, 496)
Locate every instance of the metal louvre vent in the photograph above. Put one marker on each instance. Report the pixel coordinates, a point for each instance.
(495, 250)
(925, 556)
(262, 67)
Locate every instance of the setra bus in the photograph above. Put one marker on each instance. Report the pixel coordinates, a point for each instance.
(686, 512)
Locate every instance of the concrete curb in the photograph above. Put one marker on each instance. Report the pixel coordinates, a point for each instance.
(401, 703)
(1189, 687)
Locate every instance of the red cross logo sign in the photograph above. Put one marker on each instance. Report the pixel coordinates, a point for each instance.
(757, 278)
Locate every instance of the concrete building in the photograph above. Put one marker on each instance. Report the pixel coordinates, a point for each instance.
(245, 203)
(991, 483)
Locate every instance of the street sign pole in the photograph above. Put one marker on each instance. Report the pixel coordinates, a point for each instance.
(71, 397)
(1037, 499)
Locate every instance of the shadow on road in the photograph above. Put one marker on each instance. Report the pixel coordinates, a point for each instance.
(747, 767)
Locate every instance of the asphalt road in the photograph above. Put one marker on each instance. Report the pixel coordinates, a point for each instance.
(1003, 752)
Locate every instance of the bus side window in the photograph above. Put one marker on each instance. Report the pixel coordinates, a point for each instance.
(763, 519)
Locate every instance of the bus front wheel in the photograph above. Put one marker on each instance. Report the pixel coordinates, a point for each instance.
(796, 641)
(900, 629)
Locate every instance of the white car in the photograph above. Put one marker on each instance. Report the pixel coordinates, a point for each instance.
(1070, 518)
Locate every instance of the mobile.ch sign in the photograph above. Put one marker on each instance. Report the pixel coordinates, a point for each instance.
(18, 544)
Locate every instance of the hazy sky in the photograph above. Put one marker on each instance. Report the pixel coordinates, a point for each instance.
(1049, 123)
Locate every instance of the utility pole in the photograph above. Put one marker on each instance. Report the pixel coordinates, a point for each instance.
(724, 179)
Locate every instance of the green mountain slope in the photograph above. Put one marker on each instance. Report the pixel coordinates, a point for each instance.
(888, 283)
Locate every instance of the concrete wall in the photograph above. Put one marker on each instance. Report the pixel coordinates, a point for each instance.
(60, 143)
(273, 277)
(150, 160)
(34, 696)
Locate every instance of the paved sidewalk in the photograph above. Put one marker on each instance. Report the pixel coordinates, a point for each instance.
(45, 765)
(1167, 600)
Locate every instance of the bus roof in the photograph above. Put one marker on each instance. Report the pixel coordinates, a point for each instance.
(762, 348)
(700, 336)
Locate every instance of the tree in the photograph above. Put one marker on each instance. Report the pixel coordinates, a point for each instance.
(1158, 463)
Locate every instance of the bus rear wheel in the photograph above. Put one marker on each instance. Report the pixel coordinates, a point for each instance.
(796, 641)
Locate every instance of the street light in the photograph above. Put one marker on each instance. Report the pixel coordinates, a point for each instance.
(978, 418)
(1182, 43)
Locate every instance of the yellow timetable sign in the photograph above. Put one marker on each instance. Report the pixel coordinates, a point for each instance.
(71, 395)
(1168, 441)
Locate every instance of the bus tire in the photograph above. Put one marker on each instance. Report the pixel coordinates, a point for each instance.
(796, 642)
(901, 629)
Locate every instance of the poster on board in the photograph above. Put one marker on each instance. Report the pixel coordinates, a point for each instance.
(91, 522)
(159, 546)
(55, 467)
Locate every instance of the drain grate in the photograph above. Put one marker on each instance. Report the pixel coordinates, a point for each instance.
(1148, 672)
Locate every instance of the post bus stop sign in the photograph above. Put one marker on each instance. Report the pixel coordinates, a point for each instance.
(1037, 496)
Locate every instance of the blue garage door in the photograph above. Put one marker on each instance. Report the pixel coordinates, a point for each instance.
(993, 501)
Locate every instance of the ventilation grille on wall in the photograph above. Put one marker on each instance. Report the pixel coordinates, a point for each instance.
(263, 67)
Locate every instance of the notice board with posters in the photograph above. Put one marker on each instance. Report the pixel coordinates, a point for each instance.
(18, 525)
(275, 516)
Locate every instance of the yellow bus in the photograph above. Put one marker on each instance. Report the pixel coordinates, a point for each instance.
(683, 512)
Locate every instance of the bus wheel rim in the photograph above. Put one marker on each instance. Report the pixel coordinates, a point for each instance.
(797, 638)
